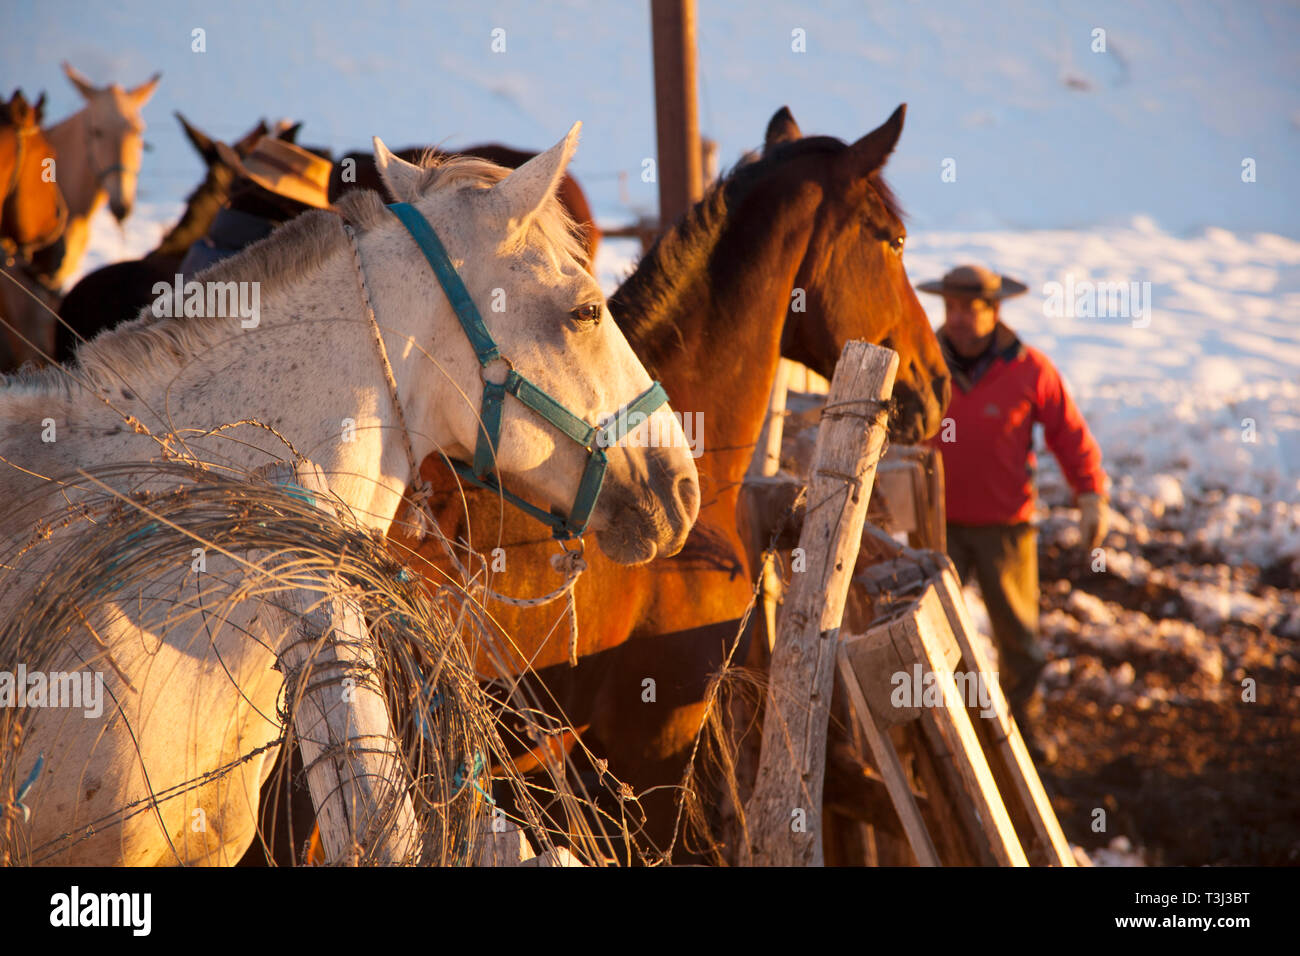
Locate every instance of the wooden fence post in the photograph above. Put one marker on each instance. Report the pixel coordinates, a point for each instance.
(785, 809)
(358, 783)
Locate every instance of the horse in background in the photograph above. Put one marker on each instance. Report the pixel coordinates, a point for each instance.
(710, 310)
(32, 210)
(116, 293)
(33, 213)
(357, 171)
(99, 149)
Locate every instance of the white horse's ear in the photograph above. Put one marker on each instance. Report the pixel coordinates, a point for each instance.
(140, 95)
(523, 192)
(401, 178)
(83, 85)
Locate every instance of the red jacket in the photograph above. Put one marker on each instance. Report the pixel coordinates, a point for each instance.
(987, 436)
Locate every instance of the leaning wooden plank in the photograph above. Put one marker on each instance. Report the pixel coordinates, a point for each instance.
(882, 749)
(1006, 735)
(785, 808)
(946, 811)
(354, 772)
(930, 634)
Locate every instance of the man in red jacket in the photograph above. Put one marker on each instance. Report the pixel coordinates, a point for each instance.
(1002, 388)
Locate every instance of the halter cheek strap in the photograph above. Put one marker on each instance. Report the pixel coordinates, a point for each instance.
(592, 439)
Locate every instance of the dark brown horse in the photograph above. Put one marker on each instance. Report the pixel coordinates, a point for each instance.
(117, 292)
(357, 171)
(710, 310)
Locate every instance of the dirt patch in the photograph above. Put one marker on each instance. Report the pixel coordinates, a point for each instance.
(1147, 711)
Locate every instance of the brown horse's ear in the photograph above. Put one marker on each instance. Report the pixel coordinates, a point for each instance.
(140, 95)
(83, 85)
(18, 109)
(781, 129)
(200, 140)
(872, 151)
(39, 109)
(290, 133)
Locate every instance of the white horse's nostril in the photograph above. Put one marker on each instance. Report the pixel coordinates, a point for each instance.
(687, 492)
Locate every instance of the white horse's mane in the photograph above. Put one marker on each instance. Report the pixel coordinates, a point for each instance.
(149, 345)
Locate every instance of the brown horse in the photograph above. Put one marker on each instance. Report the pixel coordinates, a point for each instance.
(794, 253)
(33, 214)
(32, 210)
(99, 149)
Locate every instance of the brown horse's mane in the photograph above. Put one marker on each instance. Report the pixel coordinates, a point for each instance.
(648, 302)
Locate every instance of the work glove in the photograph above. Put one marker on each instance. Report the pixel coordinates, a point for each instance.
(1094, 521)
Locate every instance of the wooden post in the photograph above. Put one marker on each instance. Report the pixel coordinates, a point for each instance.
(676, 114)
(785, 808)
(766, 463)
(344, 730)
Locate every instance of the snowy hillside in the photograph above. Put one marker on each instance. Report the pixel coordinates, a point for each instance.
(1044, 132)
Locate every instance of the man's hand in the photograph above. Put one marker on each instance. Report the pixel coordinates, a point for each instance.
(1095, 520)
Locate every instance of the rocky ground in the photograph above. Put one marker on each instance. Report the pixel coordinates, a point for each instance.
(1172, 700)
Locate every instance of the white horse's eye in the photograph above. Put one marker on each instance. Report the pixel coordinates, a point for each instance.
(588, 314)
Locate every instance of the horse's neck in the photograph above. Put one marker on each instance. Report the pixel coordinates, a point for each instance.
(81, 190)
(77, 180)
(315, 382)
(727, 335)
(201, 209)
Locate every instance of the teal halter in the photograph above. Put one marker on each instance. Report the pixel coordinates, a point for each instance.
(593, 440)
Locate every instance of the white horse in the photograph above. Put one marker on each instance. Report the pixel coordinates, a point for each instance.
(98, 151)
(310, 370)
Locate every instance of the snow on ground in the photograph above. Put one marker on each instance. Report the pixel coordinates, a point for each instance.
(111, 241)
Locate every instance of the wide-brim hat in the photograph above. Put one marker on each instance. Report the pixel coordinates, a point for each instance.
(285, 169)
(975, 282)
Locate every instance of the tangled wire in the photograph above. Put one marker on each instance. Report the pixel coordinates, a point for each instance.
(264, 539)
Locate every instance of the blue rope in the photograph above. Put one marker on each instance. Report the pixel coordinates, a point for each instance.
(150, 528)
(27, 785)
(459, 780)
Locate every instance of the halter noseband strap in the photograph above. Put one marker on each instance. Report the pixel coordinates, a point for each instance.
(593, 440)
